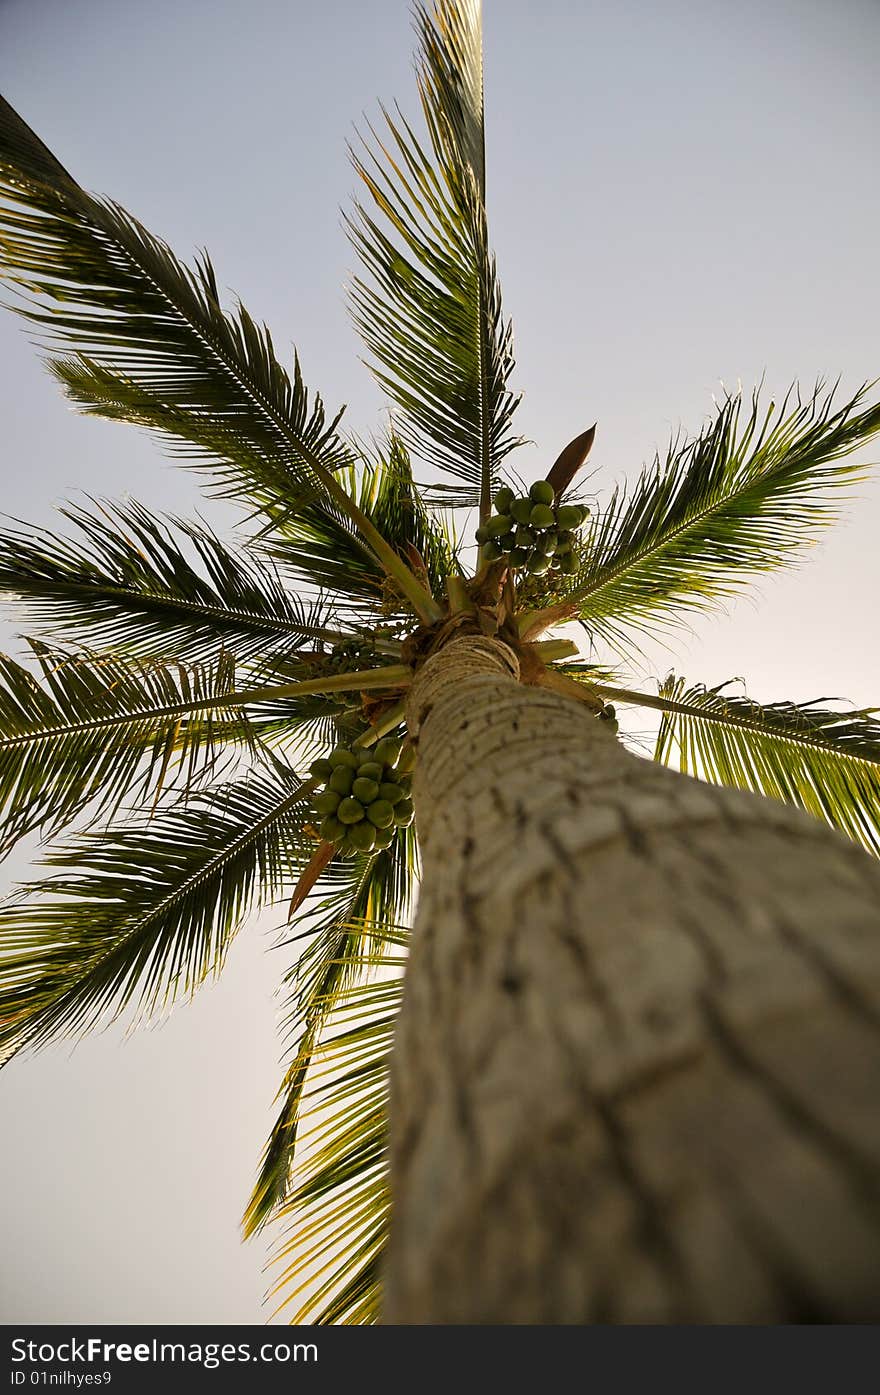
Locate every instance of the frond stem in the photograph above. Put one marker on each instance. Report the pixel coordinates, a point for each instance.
(731, 719)
(393, 676)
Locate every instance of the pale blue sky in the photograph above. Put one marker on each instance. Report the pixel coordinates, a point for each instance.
(681, 192)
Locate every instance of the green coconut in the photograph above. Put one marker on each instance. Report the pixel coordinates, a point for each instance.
(331, 830)
(362, 836)
(342, 756)
(384, 837)
(328, 802)
(542, 516)
(538, 564)
(403, 813)
(380, 814)
(321, 769)
(389, 750)
(371, 769)
(499, 525)
(520, 510)
(341, 780)
(391, 793)
(518, 556)
(568, 516)
(406, 761)
(350, 811)
(491, 552)
(568, 563)
(503, 499)
(523, 536)
(365, 790)
(482, 534)
(542, 492)
(547, 543)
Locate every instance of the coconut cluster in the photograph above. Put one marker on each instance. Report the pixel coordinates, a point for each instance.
(531, 531)
(366, 795)
(350, 652)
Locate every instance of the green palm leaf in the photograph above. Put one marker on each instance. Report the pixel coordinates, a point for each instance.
(143, 325)
(145, 914)
(99, 726)
(338, 1207)
(372, 892)
(824, 761)
(336, 560)
(328, 512)
(430, 308)
(153, 345)
(127, 582)
(728, 504)
(390, 497)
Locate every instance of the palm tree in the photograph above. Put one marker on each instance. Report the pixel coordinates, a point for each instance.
(630, 1043)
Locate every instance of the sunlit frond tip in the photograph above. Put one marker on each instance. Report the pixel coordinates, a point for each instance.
(742, 498)
(143, 338)
(337, 1206)
(102, 727)
(137, 917)
(451, 77)
(430, 308)
(821, 760)
(124, 581)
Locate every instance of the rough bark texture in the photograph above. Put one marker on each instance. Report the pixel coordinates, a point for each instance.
(636, 1074)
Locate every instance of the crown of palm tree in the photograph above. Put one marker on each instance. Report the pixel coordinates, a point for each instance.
(180, 688)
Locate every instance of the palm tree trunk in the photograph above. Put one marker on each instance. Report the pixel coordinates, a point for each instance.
(636, 1072)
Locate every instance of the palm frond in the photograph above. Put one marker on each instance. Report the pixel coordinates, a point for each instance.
(335, 558)
(339, 1204)
(430, 308)
(822, 760)
(391, 498)
(149, 338)
(730, 503)
(144, 914)
(589, 673)
(98, 726)
(304, 726)
(330, 510)
(371, 893)
(127, 582)
(319, 549)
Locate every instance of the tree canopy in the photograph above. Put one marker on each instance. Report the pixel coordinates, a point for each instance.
(182, 690)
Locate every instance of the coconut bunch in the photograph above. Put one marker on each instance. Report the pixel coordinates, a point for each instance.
(342, 658)
(532, 531)
(366, 795)
(348, 652)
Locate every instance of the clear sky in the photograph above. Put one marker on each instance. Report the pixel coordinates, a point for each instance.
(682, 192)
